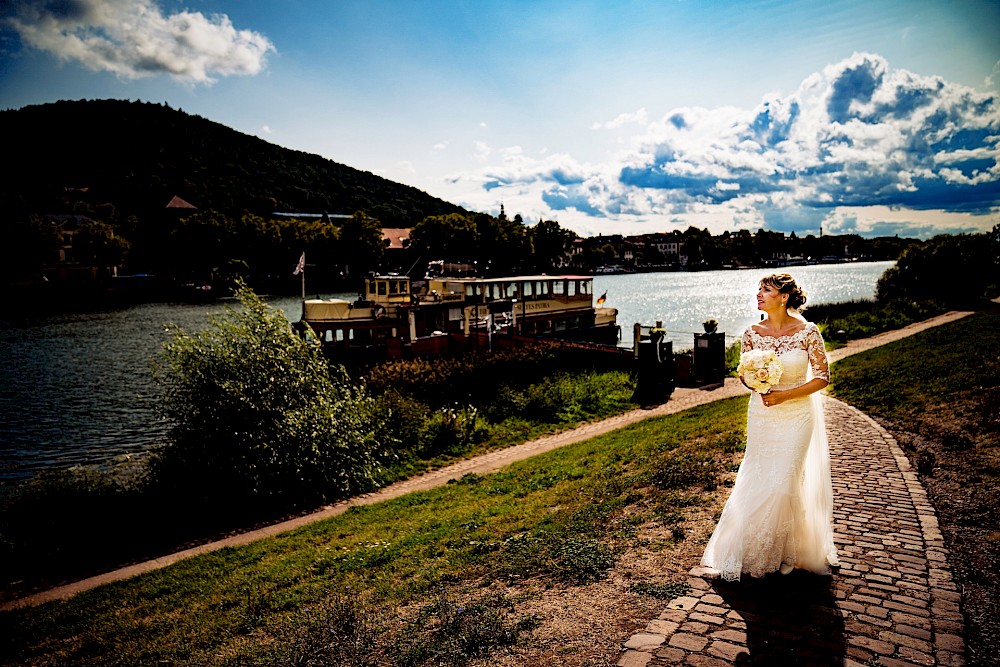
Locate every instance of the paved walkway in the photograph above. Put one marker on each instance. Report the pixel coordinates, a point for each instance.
(891, 603)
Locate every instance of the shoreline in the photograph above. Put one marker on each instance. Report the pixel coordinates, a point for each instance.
(681, 399)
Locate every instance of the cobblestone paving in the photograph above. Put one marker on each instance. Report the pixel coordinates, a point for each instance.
(892, 602)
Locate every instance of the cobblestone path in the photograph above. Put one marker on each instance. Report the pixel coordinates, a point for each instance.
(892, 601)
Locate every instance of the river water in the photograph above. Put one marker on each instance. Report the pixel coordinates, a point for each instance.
(76, 389)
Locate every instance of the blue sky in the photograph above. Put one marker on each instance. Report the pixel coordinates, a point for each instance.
(863, 116)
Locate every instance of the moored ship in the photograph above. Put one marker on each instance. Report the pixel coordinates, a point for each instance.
(397, 317)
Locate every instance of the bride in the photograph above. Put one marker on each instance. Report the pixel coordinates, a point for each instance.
(780, 514)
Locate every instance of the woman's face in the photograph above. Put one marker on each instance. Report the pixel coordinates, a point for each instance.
(769, 298)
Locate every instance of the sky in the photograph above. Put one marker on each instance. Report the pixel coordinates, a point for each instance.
(875, 117)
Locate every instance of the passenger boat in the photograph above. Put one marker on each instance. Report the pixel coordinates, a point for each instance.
(396, 317)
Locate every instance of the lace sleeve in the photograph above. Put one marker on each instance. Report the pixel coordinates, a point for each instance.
(817, 353)
(747, 342)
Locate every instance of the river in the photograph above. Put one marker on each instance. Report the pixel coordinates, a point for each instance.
(76, 388)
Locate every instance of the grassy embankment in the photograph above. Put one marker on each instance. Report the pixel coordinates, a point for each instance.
(446, 574)
(434, 575)
(71, 524)
(67, 525)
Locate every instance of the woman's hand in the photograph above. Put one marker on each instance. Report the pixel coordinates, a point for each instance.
(779, 396)
(774, 397)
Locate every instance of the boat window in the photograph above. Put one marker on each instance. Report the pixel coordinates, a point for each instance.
(558, 287)
(541, 288)
(380, 287)
(572, 286)
(529, 289)
(393, 287)
(585, 286)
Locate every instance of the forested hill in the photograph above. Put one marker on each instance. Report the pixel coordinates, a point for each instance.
(137, 156)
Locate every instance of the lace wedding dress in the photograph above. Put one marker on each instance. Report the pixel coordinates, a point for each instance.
(780, 512)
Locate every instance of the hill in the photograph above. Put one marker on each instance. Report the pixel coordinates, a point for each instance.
(137, 156)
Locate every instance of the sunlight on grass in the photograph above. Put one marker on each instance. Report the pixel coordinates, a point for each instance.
(559, 517)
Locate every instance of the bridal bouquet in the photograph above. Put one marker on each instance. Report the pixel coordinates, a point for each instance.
(760, 369)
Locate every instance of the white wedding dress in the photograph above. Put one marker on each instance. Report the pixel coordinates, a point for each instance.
(780, 512)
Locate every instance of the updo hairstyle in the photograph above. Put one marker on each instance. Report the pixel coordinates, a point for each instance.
(785, 284)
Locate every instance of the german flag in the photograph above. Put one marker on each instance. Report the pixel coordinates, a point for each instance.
(601, 299)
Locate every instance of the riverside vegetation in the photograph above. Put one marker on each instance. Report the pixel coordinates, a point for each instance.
(441, 575)
(448, 576)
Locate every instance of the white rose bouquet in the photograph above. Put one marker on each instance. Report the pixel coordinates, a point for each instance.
(760, 369)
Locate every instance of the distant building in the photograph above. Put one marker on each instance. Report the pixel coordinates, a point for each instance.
(179, 204)
(397, 238)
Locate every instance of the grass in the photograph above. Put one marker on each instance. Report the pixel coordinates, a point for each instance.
(65, 525)
(559, 519)
(938, 392)
(848, 320)
(951, 366)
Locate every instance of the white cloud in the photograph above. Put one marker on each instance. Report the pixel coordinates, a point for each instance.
(266, 129)
(482, 150)
(858, 136)
(623, 119)
(134, 39)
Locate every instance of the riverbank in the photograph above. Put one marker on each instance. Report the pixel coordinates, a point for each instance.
(681, 399)
(618, 609)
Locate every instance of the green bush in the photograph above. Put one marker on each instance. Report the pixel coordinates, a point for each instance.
(474, 378)
(955, 269)
(451, 431)
(255, 412)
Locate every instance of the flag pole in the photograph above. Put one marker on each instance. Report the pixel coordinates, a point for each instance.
(303, 276)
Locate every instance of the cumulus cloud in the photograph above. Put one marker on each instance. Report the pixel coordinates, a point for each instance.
(859, 135)
(134, 39)
(623, 119)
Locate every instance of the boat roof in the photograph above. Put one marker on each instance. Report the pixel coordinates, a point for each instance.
(509, 279)
(506, 279)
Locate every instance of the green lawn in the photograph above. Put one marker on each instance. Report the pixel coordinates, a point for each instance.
(561, 518)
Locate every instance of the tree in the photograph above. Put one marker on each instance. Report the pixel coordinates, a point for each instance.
(955, 269)
(97, 243)
(452, 237)
(29, 244)
(362, 245)
(503, 244)
(551, 245)
(256, 413)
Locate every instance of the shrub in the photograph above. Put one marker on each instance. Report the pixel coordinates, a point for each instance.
(340, 630)
(470, 378)
(255, 412)
(451, 431)
(957, 269)
(66, 523)
(448, 633)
